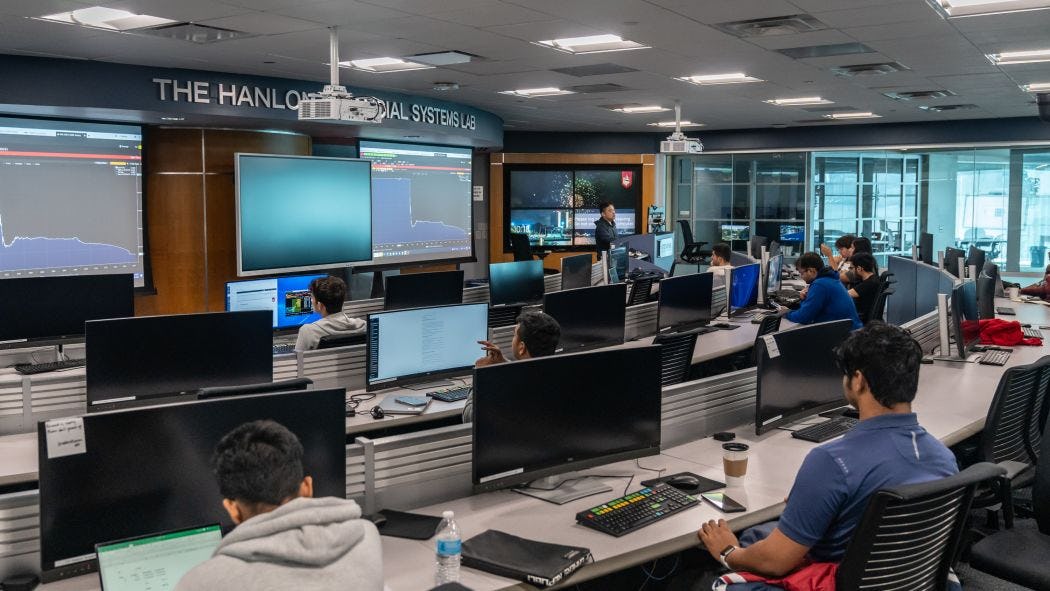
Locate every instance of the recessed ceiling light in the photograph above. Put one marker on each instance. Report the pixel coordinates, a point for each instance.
(536, 92)
(110, 19)
(592, 44)
(961, 8)
(1036, 87)
(853, 115)
(798, 102)
(673, 124)
(382, 65)
(711, 79)
(641, 109)
(1019, 57)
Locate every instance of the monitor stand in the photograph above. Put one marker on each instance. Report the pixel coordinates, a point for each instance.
(430, 385)
(560, 490)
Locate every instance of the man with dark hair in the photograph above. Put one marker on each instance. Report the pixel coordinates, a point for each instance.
(880, 367)
(605, 227)
(843, 244)
(866, 288)
(536, 335)
(328, 294)
(284, 538)
(825, 297)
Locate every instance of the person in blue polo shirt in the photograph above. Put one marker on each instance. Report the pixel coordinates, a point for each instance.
(825, 297)
(880, 365)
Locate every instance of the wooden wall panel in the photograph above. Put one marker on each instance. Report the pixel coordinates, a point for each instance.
(221, 144)
(176, 236)
(221, 238)
(173, 150)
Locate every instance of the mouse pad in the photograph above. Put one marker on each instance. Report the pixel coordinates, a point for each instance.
(706, 484)
(408, 525)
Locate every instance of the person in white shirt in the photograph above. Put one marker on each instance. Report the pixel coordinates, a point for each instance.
(720, 255)
(328, 294)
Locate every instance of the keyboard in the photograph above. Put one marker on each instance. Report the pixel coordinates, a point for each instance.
(636, 510)
(1005, 311)
(995, 357)
(1031, 332)
(34, 368)
(450, 394)
(822, 432)
(282, 348)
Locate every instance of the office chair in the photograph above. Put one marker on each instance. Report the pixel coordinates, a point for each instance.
(341, 340)
(909, 534)
(639, 292)
(691, 252)
(676, 356)
(1019, 556)
(519, 244)
(878, 308)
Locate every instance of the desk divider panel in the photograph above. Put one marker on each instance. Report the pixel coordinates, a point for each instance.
(552, 283)
(596, 273)
(718, 299)
(355, 473)
(502, 336)
(702, 407)
(362, 308)
(925, 329)
(285, 367)
(341, 367)
(19, 533)
(12, 401)
(640, 321)
(476, 295)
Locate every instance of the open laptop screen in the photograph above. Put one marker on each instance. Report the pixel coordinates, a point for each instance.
(156, 561)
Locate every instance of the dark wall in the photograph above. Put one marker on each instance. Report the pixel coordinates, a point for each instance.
(1018, 129)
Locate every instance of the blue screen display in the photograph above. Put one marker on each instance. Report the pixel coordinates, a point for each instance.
(299, 213)
(743, 287)
(287, 298)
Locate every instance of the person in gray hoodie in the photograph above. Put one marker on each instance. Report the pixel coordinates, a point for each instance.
(328, 294)
(284, 538)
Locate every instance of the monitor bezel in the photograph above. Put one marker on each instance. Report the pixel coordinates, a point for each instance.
(541, 283)
(682, 279)
(591, 346)
(730, 311)
(589, 267)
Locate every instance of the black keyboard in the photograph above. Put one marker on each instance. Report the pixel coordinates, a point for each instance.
(994, 357)
(1031, 332)
(822, 432)
(34, 368)
(636, 510)
(450, 394)
(283, 348)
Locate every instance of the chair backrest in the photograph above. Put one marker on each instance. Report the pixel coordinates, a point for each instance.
(908, 535)
(332, 341)
(887, 277)
(1041, 489)
(769, 325)
(640, 290)
(878, 307)
(687, 232)
(676, 356)
(519, 245)
(1013, 429)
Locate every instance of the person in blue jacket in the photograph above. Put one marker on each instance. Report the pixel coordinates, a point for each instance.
(826, 299)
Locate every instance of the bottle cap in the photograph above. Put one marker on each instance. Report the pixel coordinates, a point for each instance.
(447, 515)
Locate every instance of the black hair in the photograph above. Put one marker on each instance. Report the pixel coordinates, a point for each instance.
(603, 205)
(888, 358)
(260, 462)
(864, 260)
(722, 250)
(809, 260)
(330, 291)
(861, 245)
(540, 333)
(844, 241)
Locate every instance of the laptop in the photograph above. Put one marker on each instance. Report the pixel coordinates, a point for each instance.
(155, 561)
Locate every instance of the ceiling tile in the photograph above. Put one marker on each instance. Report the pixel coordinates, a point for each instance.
(492, 15)
(263, 23)
(340, 12)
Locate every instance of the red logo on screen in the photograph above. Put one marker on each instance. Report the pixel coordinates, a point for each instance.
(626, 178)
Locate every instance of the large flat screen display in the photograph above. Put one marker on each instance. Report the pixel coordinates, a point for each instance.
(298, 213)
(71, 199)
(421, 196)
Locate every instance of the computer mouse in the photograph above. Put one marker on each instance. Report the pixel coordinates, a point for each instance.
(377, 413)
(684, 482)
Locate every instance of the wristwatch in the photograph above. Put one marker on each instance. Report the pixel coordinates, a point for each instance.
(723, 556)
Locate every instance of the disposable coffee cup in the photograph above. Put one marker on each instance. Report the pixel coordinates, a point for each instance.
(734, 462)
(1013, 292)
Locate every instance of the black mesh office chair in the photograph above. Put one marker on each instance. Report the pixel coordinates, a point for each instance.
(640, 290)
(691, 252)
(676, 356)
(909, 534)
(332, 341)
(519, 245)
(878, 307)
(1020, 555)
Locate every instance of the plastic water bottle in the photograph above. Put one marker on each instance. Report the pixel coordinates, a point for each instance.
(449, 547)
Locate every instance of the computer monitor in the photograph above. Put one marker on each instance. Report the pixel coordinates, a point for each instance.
(800, 376)
(792, 233)
(754, 246)
(774, 268)
(951, 262)
(743, 288)
(290, 385)
(900, 308)
(975, 257)
(731, 232)
(576, 271)
(965, 320)
(926, 248)
(131, 361)
(146, 470)
(155, 561)
(590, 317)
(664, 255)
(421, 344)
(986, 295)
(421, 290)
(685, 302)
(580, 414)
(520, 282)
(286, 298)
(617, 264)
(48, 310)
(739, 259)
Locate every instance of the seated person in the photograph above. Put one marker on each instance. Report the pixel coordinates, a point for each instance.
(844, 245)
(720, 255)
(880, 366)
(860, 244)
(866, 289)
(1040, 289)
(328, 294)
(535, 335)
(825, 298)
(284, 538)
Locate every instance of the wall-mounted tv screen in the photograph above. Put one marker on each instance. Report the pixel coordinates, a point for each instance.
(421, 202)
(558, 207)
(71, 202)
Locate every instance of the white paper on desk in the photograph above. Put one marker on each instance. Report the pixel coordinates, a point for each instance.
(771, 346)
(65, 437)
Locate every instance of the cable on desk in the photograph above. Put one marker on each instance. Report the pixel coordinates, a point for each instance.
(629, 481)
(659, 471)
(577, 479)
(355, 400)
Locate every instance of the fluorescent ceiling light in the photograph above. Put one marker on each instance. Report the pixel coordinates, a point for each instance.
(1019, 57)
(1036, 87)
(673, 124)
(797, 102)
(535, 92)
(711, 79)
(110, 19)
(642, 109)
(961, 8)
(853, 115)
(592, 44)
(382, 65)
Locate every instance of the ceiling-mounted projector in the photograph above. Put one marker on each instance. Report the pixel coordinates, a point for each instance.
(677, 143)
(334, 103)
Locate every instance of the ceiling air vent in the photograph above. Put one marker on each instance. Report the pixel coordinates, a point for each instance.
(194, 33)
(813, 51)
(593, 88)
(767, 27)
(830, 109)
(943, 108)
(594, 70)
(858, 70)
(918, 95)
